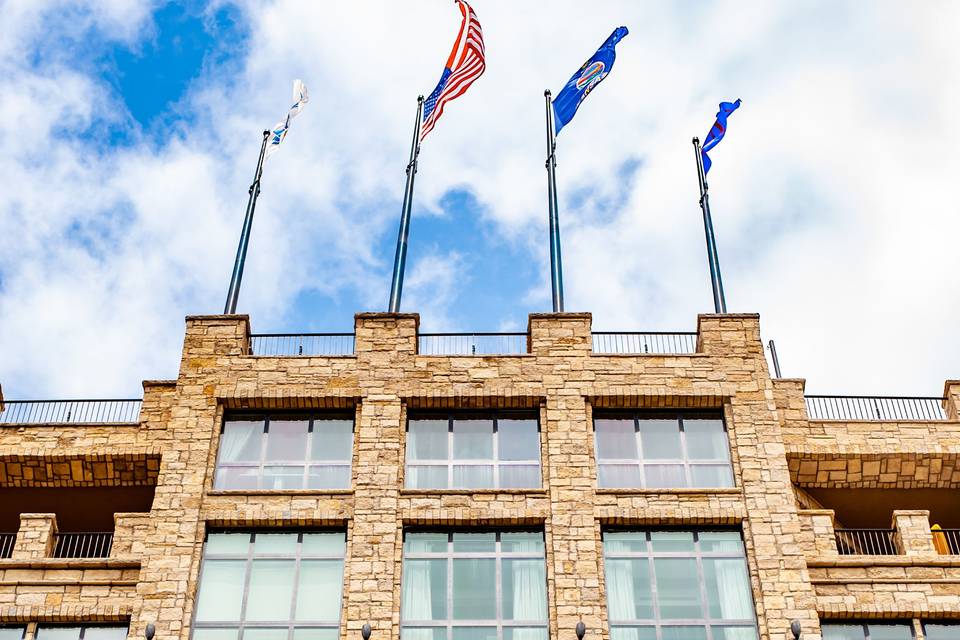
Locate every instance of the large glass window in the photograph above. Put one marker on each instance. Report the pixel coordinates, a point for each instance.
(285, 452)
(473, 451)
(941, 630)
(270, 586)
(474, 586)
(869, 631)
(662, 450)
(678, 585)
(79, 632)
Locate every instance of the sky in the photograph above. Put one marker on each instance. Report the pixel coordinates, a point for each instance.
(130, 132)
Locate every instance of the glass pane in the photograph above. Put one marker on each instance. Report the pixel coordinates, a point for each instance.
(706, 440)
(11, 633)
(427, 440)
(518, 439)
(616, 476)
(671, 541)
(630, 541)
(277, 478)
(275, 543)
(58, 633)
(271, 590)
(332, 440)
(660, 439)
(473, 439)
(684, 633)
(734, 633)
(720, 541)
(426, 477)
(287, 439)
(521, 541)
(520, 476)
(474, 589)
(633, 633)
(228, 543)
(237, 478)
(423, 633)
(525, 633)
(221, 590)
(315, 634)
(323, 544)
(664, 476)
(328, 477)
(215, 634)
(424, 590)
(941, 631)
(711, 475)
(524, 590)
(842, 632)
(616, 439)
(474, 633)
(728, 588)
(474, 542)
(628, 589)
(110, 632)
(890, 632)
(426, 543)
(678, 588)
(319, 590)
(265, 634)
(472, 477)
(240, 441)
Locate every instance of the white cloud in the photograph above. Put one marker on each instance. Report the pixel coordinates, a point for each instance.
(832, 194)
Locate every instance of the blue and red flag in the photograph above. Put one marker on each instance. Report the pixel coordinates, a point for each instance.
(465, 64)
(717, 131)
(587, 77)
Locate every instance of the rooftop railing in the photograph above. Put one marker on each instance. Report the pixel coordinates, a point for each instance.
(947, 541)
(875, 408)
(83, 545)
(70, 412)
(472, 344)
(866, 542)
(632, 342)
(301, 344)
(7, 541)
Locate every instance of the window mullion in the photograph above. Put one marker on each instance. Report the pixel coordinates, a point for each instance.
(247, 573)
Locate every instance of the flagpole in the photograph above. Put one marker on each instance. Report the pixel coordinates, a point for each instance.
(719, 301)
(400, 260)
(556, 263)
(234, 291)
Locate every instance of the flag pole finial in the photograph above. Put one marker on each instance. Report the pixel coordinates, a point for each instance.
(547, 93)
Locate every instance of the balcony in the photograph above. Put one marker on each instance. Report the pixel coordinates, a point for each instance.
(7, 540)
(301, 344)
(642, 343)
(83, 545)
(79, 412)
(876, 408)
(472, 344)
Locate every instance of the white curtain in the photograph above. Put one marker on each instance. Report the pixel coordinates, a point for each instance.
(236, 436)
(733, 589)
(415, 604)
(620, 595)
(529, 592)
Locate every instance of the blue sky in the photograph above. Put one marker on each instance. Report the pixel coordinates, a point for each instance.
(132, 130)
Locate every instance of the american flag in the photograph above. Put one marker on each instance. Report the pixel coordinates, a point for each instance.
(465, 64)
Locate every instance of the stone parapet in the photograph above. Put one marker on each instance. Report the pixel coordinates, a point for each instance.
(560, 334)
(36, 537)
(129, 532)
(819, 537)
(912, 533)
(951, 399)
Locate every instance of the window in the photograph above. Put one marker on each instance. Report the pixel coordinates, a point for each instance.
(473, 451)
(80, 632)
(662, 450)
(678, 585)
(12, 632)
(285, 452)
(941, 630)
(270, 586)
(868, 631)
(474, 586)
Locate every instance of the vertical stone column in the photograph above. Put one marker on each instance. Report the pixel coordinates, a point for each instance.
(36, 537)
(821, 524)
(951, 399)
(560, 334)
(913, 536)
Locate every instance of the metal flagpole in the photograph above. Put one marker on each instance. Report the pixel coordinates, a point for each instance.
(556, 263)
(776, 361)
(719, 301)
(234, 291)
(400, 260)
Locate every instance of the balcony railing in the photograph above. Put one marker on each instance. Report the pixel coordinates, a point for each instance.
(947, 541)
(70, 412)
(874, 408)
(83, 545)
(647, 342)
(471, 344)
(866, 542)
(301, 344)
(7, 540)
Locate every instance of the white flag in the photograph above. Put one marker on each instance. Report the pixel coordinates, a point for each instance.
(279, 132)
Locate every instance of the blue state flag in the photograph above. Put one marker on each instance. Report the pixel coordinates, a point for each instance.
(716, 131)
(585, 79)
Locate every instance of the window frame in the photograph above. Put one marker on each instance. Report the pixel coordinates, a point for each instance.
(291, 624)
(685, 461)
(264, 462)
(866, 624)
(657, 622)
(83, 626)
(452, 462)
(449, 623)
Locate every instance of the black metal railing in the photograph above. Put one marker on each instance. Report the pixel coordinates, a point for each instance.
(947, 541)
(472, 344)
(83, 545)
(632, 342)
(301, 344)
(7, 540)
(70, 411)
(874, 408)
(866, 542)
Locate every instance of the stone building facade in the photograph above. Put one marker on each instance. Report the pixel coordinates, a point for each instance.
(795, 481)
